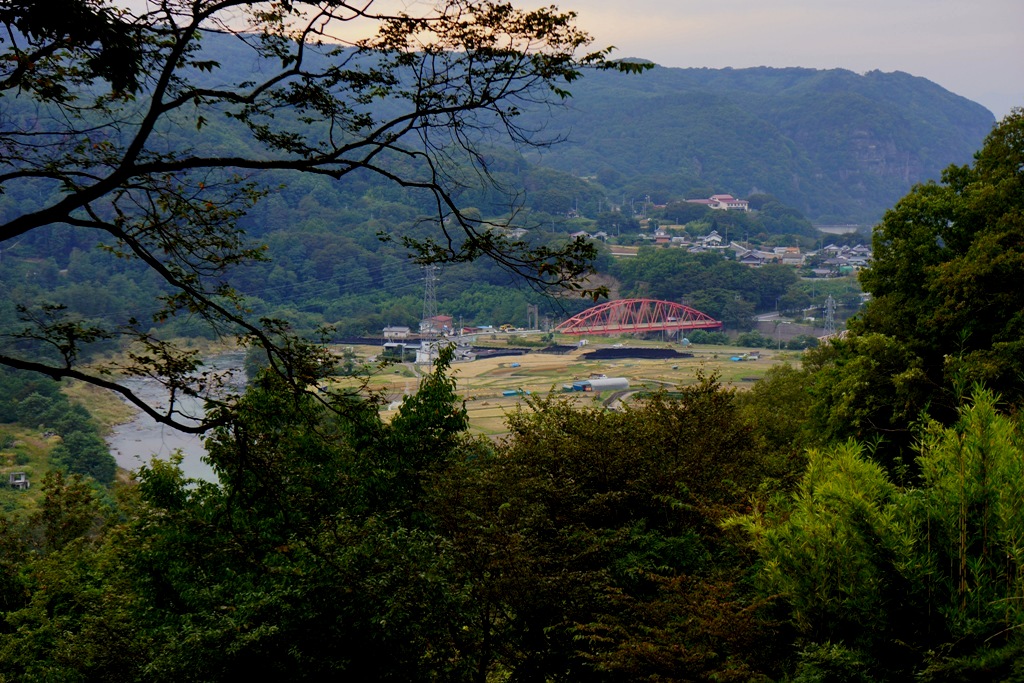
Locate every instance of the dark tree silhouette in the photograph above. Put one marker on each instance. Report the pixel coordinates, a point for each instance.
(101, 97)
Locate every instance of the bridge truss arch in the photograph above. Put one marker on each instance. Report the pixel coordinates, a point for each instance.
(637, 316)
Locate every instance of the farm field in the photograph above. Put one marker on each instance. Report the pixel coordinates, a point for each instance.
(482, 383)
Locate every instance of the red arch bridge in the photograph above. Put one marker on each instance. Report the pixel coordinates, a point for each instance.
(637, 315)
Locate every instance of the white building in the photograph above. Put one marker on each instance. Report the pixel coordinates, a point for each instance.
(722, 202)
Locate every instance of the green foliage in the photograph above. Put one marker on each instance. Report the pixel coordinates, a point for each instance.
(772, 218)
(778, 405)
(720, 287)
(832, 663)
(336, 544)
(712, 338)
(754, 340)
(85, 453)
(584, 537)
(65, 614)
(16, 387)
(802, 342)
(972, 477)
(312, 557)
(775, 218)
(37, 403)
(794, 301)
(420, 440)
(884, 582)
(944, 312)
(840, 540)
(946, 260)
(868, 387)
(681, 212)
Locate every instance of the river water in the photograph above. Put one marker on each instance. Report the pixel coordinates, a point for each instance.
(136, 442)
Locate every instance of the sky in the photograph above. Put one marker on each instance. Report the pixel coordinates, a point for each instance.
(974, 48)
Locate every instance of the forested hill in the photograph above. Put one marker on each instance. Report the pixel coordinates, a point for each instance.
(837, 145)
(840, 147)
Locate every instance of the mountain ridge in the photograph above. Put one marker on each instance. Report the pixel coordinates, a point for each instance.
(838, 145)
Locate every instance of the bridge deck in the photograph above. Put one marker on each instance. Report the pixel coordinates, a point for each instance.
(637, 316)
(643, 327)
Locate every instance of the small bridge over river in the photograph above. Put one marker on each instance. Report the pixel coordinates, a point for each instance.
(637, 316)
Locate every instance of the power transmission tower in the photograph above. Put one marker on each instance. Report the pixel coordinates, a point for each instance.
(427, 322)
(830, 316)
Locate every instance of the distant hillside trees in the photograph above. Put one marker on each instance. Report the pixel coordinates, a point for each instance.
(37, 403)
(837, 146)
(682, 212)
(718, 286)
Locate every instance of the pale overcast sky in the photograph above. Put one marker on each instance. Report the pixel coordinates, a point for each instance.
(974, 48)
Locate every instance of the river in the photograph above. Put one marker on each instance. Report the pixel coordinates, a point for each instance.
(136, 442)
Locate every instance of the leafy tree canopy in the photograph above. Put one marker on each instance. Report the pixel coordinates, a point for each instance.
(883, 582)
(946, 308)
(947, 260)
(96, 143)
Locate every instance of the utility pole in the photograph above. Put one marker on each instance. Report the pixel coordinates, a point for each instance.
(778, 333)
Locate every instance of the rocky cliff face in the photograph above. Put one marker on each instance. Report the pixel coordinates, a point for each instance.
(882, 158)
